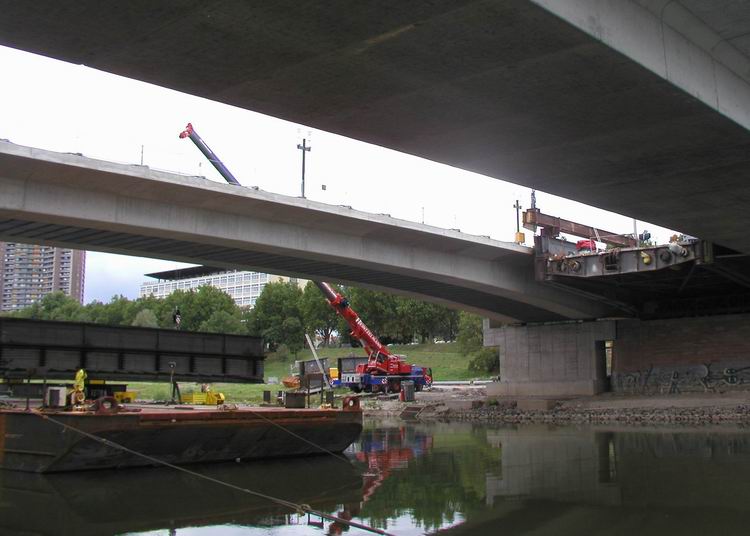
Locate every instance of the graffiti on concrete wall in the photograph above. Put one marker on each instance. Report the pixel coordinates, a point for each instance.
(708, 377)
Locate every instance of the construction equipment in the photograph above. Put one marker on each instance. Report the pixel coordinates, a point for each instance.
(205, 397)
(552, 226)
(383, 370)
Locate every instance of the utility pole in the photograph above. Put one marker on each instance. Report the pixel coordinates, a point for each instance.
(520, 237)
(517, 206)
(304, 148)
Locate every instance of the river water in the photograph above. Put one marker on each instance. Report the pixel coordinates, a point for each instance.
(458, 478)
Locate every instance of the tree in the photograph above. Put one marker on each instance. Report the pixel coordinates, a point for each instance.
(470, 337)
(224, 322)
(318, 316)
(277, 303)
(447, 324)
(293, 334)
(206, 308)
(378, 311)
(470, 343)
(196, 307)
(426, 320)
(115, 313)
(145, 319)
(55, 306)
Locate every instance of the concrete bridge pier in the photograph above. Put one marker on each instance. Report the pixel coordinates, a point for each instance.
(662, 356)
(551, 359)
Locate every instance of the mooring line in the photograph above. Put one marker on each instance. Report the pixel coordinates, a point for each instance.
(299, 508)
(323, 449)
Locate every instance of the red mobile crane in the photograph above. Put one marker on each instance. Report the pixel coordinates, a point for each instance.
(383, 371)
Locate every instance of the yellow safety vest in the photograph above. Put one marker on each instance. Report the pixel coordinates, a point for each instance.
(80, 380)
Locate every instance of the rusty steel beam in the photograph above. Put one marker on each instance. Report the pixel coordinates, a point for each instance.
(553, 226)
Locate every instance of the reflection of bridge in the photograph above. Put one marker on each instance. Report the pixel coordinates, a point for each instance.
(555, 481)
(637, 107)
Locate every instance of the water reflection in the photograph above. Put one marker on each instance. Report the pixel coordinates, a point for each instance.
(137, 500)
(559, 481)
(421, 478)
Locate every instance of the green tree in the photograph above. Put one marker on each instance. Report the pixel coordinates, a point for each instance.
(55, 306)
(470, 337)
(277, 303)
(120, 311)
(293, 334)
(224, 322)
(318, 316)
(447, 323)
(145, 319)
(482, 360)
(426, 320)
(196, 307)
(378, 310)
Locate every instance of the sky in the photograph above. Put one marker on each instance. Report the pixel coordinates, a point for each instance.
(63, 107)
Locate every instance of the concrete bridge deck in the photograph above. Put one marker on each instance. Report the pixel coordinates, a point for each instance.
(635, 106)
(74, 201)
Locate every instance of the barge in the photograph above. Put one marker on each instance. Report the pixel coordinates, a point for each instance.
(54, 440)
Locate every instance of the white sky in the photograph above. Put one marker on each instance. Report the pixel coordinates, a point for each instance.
(63, 107)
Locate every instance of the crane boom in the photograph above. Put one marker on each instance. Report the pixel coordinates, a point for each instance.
(190, 132)
(387, 369)
(377, 352)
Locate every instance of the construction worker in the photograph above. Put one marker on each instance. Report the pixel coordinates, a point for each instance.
(79, 387)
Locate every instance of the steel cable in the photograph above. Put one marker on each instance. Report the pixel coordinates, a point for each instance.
(299, 508)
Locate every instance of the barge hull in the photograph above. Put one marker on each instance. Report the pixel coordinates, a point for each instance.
(38, 442)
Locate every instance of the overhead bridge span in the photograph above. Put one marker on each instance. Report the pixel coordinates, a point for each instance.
(74, 201)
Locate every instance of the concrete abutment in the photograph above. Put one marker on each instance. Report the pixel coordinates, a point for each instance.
(647, 356)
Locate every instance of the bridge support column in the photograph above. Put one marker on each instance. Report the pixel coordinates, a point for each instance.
(666, 356)
(564, 359)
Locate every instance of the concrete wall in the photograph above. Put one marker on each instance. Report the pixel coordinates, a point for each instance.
(550, 359)
(648, 357)
(685, 354)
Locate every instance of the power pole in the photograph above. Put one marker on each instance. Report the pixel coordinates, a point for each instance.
(520, 237)
(304, 148)
(517, 206)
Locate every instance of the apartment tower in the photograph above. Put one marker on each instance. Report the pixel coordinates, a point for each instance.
(28, 272)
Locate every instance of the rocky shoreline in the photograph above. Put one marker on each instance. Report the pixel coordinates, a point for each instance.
(509, 413)
(561, 415)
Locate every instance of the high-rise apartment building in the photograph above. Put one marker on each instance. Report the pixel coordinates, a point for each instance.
(28, 272)
(243, 287)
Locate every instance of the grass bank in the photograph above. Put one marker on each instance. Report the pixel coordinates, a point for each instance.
(446, 362)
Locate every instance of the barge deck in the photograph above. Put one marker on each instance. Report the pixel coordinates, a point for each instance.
(47, 441)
